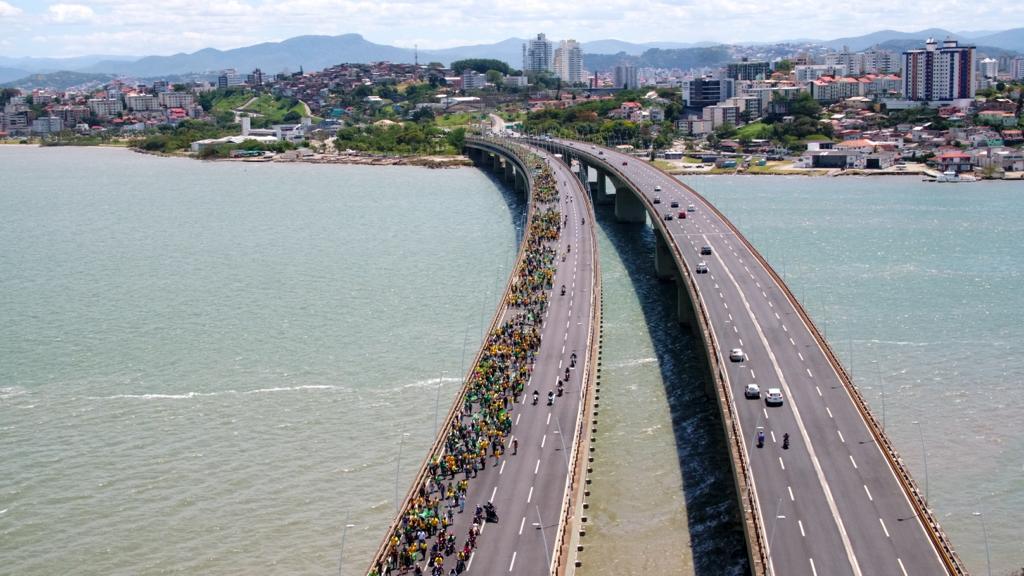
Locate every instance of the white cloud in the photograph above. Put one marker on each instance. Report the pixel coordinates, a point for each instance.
(8, 11)
(70, 13)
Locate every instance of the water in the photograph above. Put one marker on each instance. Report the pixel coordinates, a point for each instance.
(208, 367)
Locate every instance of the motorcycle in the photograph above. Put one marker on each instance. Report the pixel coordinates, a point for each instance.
(760, 439)
(490, 514)
(536, 395)
(563, 289)
(551, 398)
(785, 441)
(559, 389)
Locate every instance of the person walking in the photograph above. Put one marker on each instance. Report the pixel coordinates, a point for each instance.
(515, 446)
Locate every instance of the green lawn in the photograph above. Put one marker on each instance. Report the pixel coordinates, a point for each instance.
(455, 120)
(229, 103)
(275, 108)
(754, 131)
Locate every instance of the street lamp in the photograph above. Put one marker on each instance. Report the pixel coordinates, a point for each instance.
(398, 464)
(984, 530)
(924, 456)
(344, 532)
(437, 398)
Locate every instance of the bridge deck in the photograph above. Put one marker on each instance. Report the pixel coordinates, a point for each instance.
(832, 503)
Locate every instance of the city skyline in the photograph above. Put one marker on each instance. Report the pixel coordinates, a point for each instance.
(136, 28)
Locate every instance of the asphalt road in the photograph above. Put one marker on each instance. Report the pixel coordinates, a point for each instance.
(831, 503)
(527, 488)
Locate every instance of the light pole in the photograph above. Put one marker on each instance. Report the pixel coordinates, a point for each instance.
(771, 538)
(924, 456)
(881, 384)
(540, 525)
(437, 398)
(398, 465)
(344, 532)
(984, 530)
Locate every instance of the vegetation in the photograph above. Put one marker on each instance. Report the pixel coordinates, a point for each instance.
(802, 122)
(403, 138)
(169, 139)
(481, 65)
(919, 115)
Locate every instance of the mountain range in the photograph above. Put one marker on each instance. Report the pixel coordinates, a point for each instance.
(318, 52)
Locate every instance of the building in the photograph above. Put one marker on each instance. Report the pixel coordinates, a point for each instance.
(105, 107)
(255, 79)
(473, 80)
(939, 73)
(988, 68)
(141, 103)
(1017, 68)
(701, 92)
(515, 82)
(721, 114)
(810, 72)
(749, 70)
(230, 78)
(47, 125)
(626, 77)
(537, 55)
(569, 62)
(176, 99)
(880, 62)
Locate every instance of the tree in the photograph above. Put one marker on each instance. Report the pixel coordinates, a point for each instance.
(1001, 86)
(457, 138)
(785, 66)
(291, 117)
(494, 77)
(481, 65)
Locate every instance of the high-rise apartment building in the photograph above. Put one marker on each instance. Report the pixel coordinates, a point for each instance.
(749, 70)
(626, 77)
(569, 61)
(1017, 68)
(537, 55)
(702, 92)
(988, 67)
(939, 73)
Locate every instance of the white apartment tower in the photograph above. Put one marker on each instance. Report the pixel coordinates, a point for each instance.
(569, 61)
(537, 55)
(939, 73)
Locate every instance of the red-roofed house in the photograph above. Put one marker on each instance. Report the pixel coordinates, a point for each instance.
(954, 161)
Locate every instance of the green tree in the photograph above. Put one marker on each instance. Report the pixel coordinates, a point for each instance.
(457, 138)
(291, 117)
(481, 65)
(785, 66)
(494, 77)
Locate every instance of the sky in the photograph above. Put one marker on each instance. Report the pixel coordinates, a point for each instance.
(43, 28)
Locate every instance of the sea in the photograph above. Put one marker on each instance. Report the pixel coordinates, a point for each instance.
(226, 367)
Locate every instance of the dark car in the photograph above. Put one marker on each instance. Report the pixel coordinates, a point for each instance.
(624, 163)
(657, 200)
(705, 250)
(668, 215)
(674, 204)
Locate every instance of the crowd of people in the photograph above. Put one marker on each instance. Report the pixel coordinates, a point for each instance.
(479, 428)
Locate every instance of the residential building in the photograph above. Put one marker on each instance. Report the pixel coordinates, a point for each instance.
(880, 62)
(47, 125)
(229, 78)
(105, 107)
(161, 86)
(141, 103)
(721, 114)
(938, 73)
(701, 92)
(749, 70)
(569, 62)
(473, 80)
(851, 62)
(71, 115)
(806, 73)
(954, 161)
(255, 79)
(515, 81)
(988, 68)
(1017, 68)
(626, 77)
(537, 55)
(176, 99)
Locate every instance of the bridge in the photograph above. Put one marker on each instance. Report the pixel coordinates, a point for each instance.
(838, 500)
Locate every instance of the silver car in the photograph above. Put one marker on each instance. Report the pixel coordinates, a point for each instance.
(752, 391)
(774, 397)
(737, 355)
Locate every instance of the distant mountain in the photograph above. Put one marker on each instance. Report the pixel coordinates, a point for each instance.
(857, 43)
(683, 58)
(615, 46)
(980, 49)
(1007, 40)
(37, 65)
(8, 74)
(509, 51)
(59, 80)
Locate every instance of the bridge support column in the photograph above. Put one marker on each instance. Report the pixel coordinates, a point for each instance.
(664, 266)
(520, 182)
(496, 159)
(475, 155)
(628, 208)
(510, 171)
(600, 189)
(684, 307)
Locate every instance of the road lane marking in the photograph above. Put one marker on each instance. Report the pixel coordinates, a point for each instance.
(884, 529)
(513, 563)
(530, 495)
(869, 493)
(741, 341)
(735, 329)
(521, 524)
(520, 414)
(543, 439)
(809, 375)
(902, 569)
(777, 317)
(819, 390)
(502, 469)
(791, 341)
(852, 461)
(772, 432)
(801, 525)
(814, 571)
(781, 463)
(752, 374)
(493, 492)
(800, 354)
(829, 410)
(791, 498)
(843, 440)
(536, 466)
(784, 329)
(549, 418)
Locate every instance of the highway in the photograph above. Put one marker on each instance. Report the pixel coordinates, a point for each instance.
(831, 504)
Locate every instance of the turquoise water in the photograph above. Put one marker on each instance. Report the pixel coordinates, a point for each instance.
(208, 368)
(918, 287)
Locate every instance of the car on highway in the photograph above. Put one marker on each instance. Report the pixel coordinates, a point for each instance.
(657, 200)
(682, 215)
(668, 215)
(705, 250)
(657, 188)
(752, 391)
(600, 152)
(674, 204)
(737, 355)
(691, 208)
(702, 268)
(624, 163)
(774, 397)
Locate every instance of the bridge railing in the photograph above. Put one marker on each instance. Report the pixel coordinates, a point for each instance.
(934, 530)
(520, 157)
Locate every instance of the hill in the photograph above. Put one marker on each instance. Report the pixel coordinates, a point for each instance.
(857, 43)
(61, 80)
(9, 74)
(1007, 39)
(683, 58)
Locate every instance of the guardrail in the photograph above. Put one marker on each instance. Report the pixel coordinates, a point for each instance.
(437, 448)
(934, 530)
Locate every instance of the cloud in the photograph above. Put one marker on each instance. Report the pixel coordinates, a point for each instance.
(70, 13)
(8, 11)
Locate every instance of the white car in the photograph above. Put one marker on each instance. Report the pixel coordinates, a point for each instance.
(752, 391)
(691, 208)
(702, 268)
(774, 397)
(737, 355)
(657, 188)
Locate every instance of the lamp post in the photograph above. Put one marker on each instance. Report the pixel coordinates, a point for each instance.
(398, 465)
(984, 531)
(924, 456)
(540, 525)
(344, 532)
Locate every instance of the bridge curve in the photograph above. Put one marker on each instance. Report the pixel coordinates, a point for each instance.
(839, 499)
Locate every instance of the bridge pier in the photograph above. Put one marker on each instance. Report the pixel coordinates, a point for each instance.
(510, 172)
(628, 208)
(599, 192)
(664, 265)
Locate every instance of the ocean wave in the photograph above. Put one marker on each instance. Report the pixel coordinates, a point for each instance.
(900, 343)
(430, 382)
(11, 392)
(191, 395)
(633, 362)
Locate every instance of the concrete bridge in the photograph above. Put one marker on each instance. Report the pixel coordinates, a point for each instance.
(838, 499)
